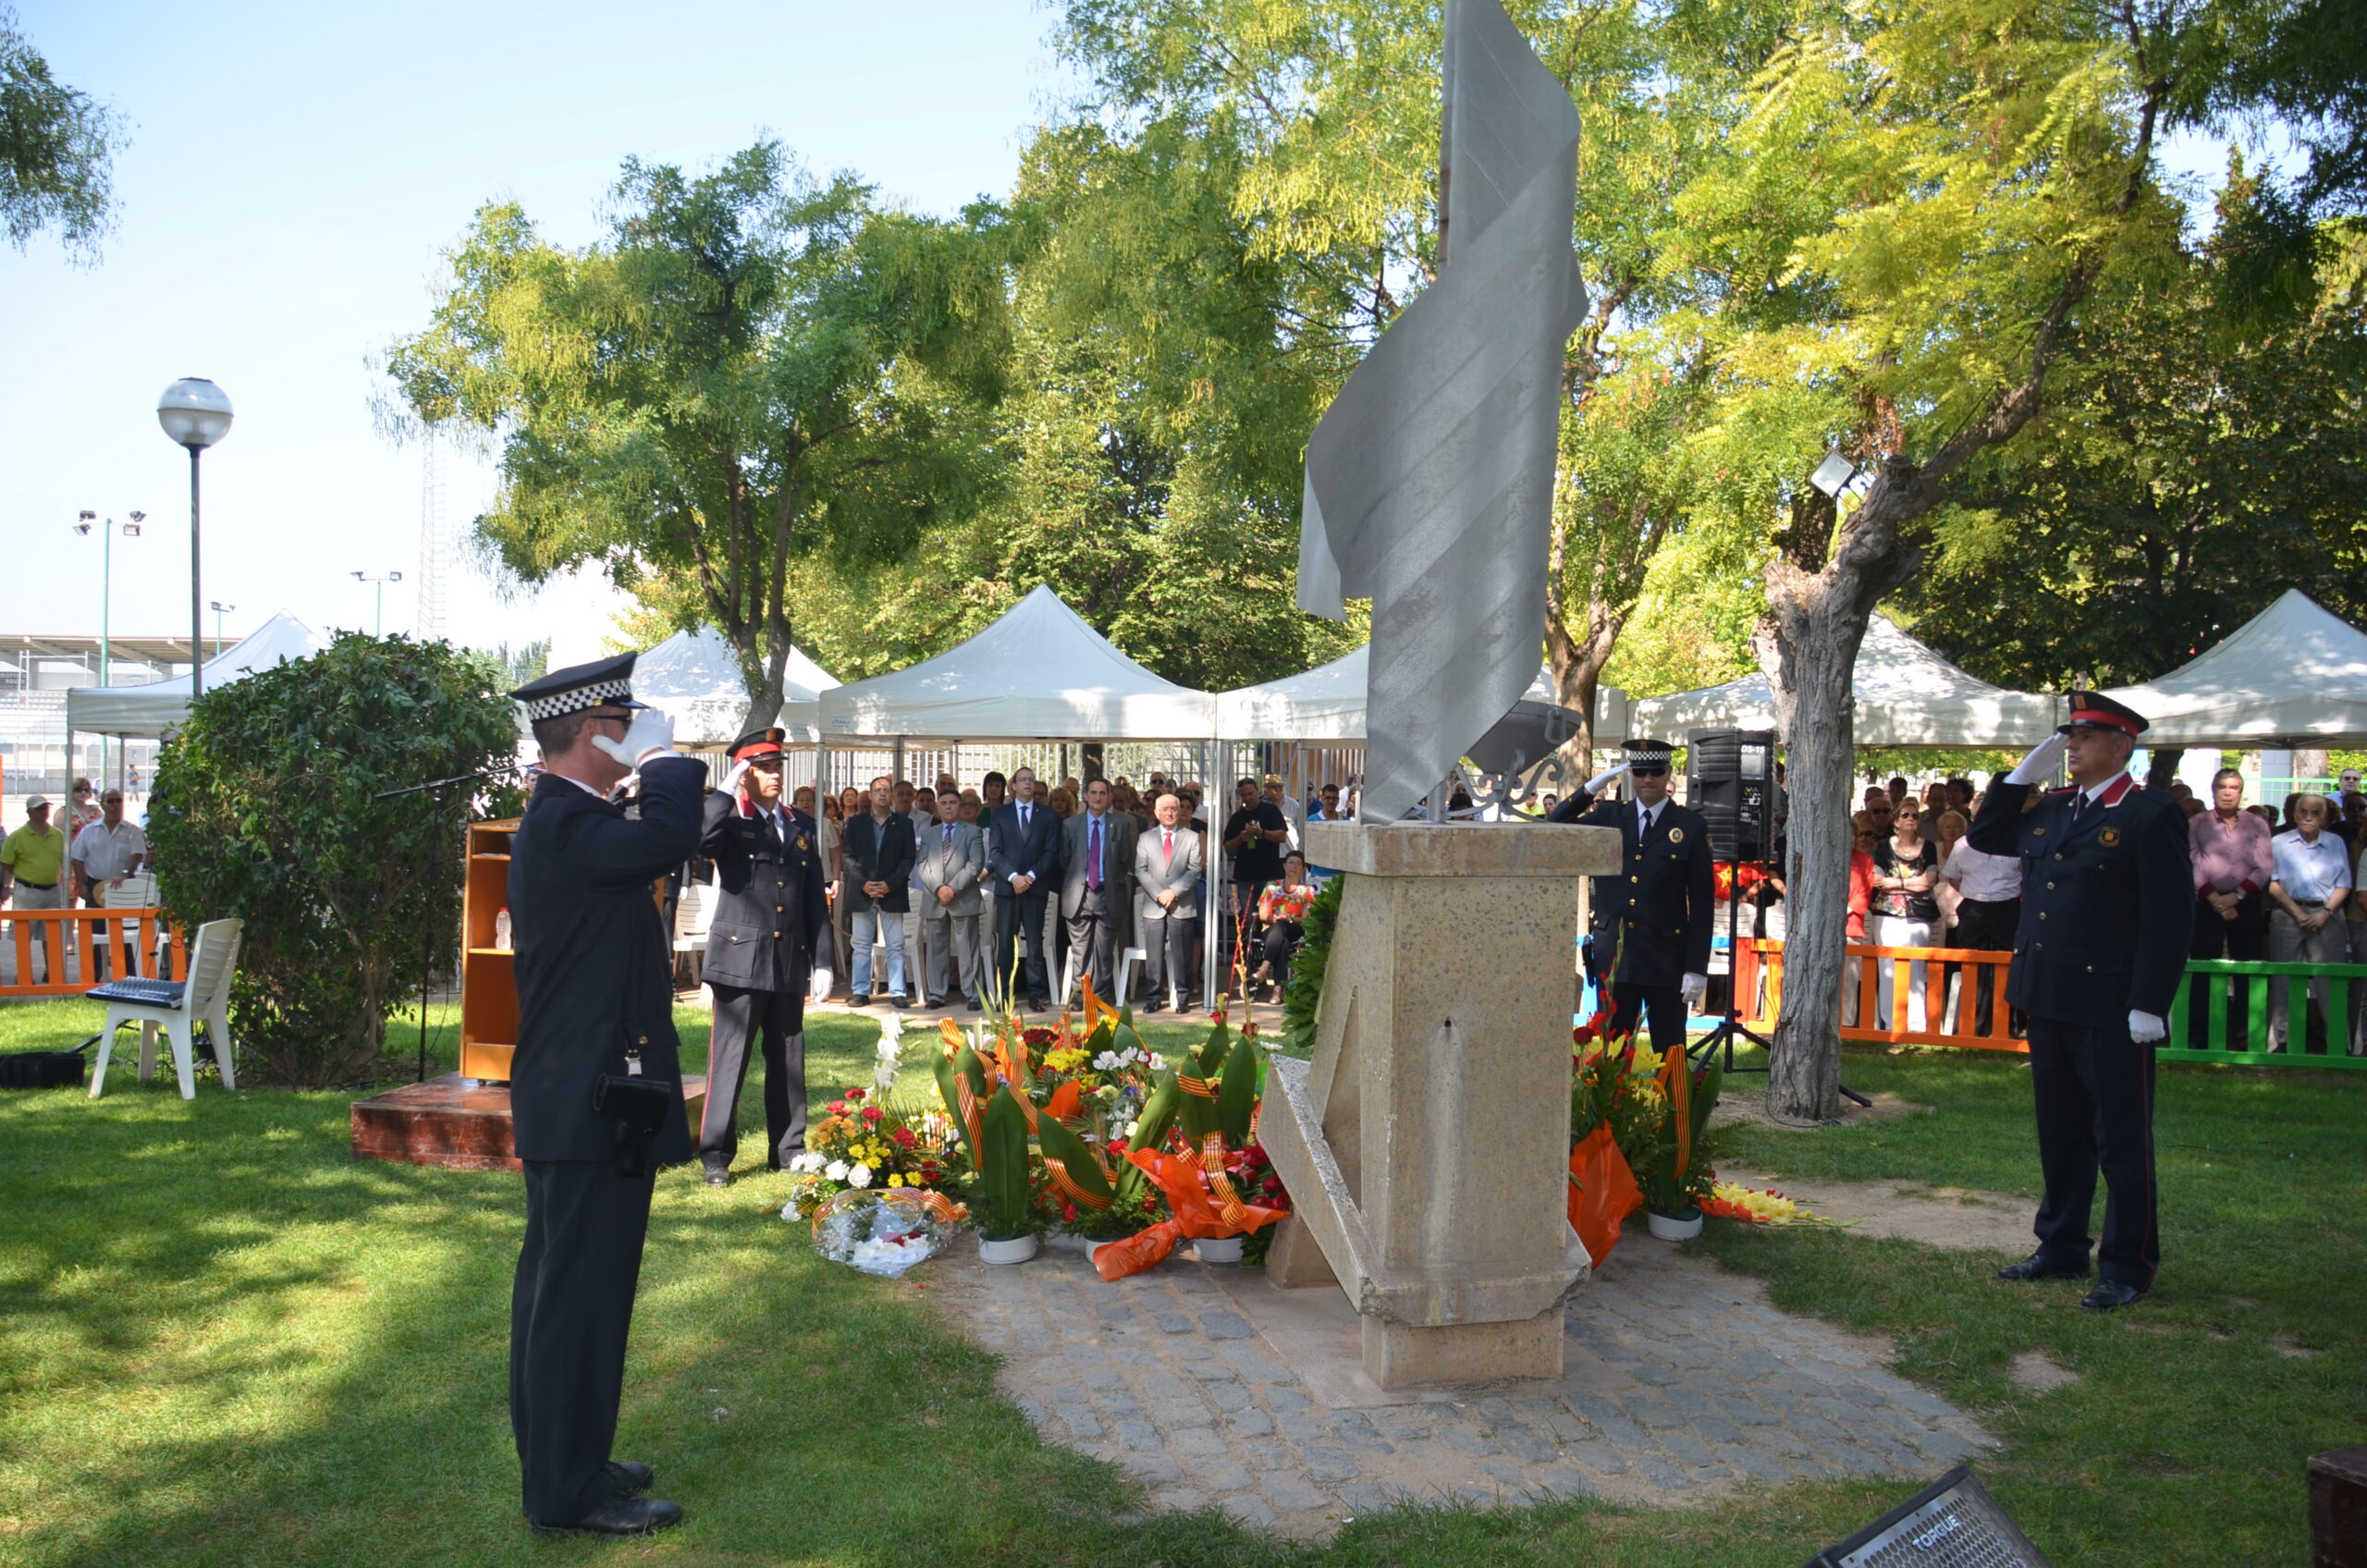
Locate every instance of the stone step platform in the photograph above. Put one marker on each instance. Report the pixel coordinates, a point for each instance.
(1217, 1388)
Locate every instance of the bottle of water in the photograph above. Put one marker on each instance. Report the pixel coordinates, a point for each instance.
(501, 932)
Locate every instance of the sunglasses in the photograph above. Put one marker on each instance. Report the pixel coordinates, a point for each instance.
(1648, 770)
(81, 789)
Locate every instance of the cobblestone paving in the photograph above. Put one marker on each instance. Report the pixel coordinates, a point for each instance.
(1215, 1388)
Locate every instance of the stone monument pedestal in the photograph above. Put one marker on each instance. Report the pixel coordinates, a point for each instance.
(1426, 1145)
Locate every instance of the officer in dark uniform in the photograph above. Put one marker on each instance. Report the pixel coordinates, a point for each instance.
(596, 996)
(2107, 914)
(771, 930)
(1655, 914)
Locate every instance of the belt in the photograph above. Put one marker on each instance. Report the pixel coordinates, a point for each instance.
(28, 882)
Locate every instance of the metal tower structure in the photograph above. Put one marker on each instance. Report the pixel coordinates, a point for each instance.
(435, 544)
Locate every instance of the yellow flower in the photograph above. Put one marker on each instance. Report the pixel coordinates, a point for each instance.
(895, 1180)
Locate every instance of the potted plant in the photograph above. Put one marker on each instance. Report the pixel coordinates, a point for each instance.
(1002, 1204)
(1675, 1177)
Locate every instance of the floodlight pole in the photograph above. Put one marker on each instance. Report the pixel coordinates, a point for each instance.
(196, 595)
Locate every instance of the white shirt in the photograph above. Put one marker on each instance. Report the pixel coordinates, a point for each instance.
(2310, 872)
(1983, 878)
(105, 854)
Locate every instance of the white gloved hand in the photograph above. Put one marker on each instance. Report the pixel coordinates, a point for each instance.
(732, 779)
(1594, 785)
(2039, 766)
(650, 733)
(818, 987)
(1693, 988)
(2145, 1028)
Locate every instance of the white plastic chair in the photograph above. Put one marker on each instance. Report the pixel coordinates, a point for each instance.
(177, 1006)
(137, 891)
(694, 913)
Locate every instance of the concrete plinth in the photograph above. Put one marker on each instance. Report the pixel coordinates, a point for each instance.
(1426, 1144)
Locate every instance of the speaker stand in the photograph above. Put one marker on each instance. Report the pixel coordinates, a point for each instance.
(1731, 1028)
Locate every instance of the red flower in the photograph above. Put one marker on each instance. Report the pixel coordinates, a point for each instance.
(1249, 1030)
(904, 1139)
(873, 1115)
(855, 1094)
(1038, 1037)
(838, 1108)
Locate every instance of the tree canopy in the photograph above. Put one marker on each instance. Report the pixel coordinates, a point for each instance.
(57, 148)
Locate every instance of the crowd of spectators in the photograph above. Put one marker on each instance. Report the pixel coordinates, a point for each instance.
(76, 860)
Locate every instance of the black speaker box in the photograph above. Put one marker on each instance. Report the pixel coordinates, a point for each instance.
(1730, 780)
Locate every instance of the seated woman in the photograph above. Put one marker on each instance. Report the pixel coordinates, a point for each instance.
(1282, 910)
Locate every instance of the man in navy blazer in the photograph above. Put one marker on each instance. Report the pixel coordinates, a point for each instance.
(1023, 859)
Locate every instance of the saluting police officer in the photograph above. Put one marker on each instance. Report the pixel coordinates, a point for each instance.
(596, 996)
(772, 931)
(2107, 914)
(1656, 912)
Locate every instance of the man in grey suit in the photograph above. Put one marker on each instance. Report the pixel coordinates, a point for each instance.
(1096, 881)
(1168, 866)
(953, 863)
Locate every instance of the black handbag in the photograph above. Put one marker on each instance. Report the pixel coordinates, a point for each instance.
(44, 1070)
(636, 1110)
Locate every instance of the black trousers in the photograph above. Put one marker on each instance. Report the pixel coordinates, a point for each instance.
(570, 1312)
(2244, 939)
(1665, 1005)
(1166, 950)
(2094, 1093)
(740, 1013)
(1013, 914)
(1987, 925)
(1093, 939)
(1282, 944)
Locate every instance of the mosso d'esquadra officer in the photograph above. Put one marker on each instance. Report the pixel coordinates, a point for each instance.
(769, 939)
(595, 1083)
(1655, 914)
(2107, 915)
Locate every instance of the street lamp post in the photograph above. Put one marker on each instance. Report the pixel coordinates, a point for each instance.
(218, 606)
(195, 414)
(381, 578)
(85, 521)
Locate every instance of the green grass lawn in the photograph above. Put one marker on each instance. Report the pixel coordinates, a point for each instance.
(224, 1340)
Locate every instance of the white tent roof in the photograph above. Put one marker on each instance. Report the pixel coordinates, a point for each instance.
(1328, 704)
(2294, 673)
(162, 704)
(1907, 695)
(693, 677)
(1039, 673)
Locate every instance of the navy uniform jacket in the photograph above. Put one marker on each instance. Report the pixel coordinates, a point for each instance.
(1038, 855)
(771, 926)
(594, 967)
(2108, 906)
(1665, 894)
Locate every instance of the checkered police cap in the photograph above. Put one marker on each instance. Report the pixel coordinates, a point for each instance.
(602, 683)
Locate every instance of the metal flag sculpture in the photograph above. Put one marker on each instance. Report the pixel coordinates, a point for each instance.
(1429, 479)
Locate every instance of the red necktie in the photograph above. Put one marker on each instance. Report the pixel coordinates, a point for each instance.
(1170, 834)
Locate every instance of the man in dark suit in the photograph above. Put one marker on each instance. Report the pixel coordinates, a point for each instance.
(2107, 917)
(596, 996)
(1023, 859)
(1655, 914)
(877, 852)
(1097, 890)
(772, 931)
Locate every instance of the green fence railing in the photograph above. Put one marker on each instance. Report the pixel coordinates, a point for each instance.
(2211, 1043)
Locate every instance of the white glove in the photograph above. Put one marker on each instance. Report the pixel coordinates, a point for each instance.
(2144, 1028)
(731, 780)
(818, 987)
(1693, 988)
(650, 733)
(2039, 766)
(1594, 785)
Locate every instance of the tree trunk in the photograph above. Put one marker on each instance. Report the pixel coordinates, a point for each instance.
(2164, 767)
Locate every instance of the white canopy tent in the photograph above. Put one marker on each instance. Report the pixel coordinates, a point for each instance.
(1328, 704)
(1906, 695)
(693, 677)
(2293, 675)
(160, 705)
(1039, 673)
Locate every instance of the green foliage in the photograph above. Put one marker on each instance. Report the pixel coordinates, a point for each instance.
(1058, 1143)
(753, 370)
(1237, 1095)
(57, 148)
(1676, 1175)
(1002, 1200)
(1302, 994)
(263, 811)
(950, 1071)
(1160, 1111)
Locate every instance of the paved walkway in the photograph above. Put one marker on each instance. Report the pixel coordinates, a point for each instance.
(1216, 1387)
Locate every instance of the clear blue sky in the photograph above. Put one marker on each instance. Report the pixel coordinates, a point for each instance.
(294, 171)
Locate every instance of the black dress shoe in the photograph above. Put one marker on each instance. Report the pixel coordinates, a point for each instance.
(631, 1478)
(859, 998)
(2109, 1296)
(2037, 1268)
(619, 1516)
(717, 1173)
(1154, 1007)
(1038, 1004)
(973, 1006)
(898, 1000)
